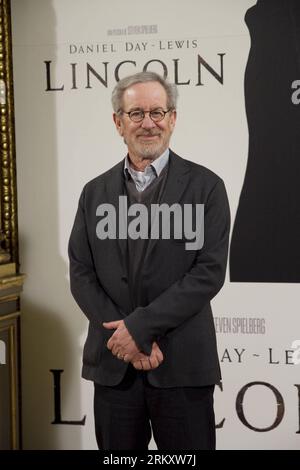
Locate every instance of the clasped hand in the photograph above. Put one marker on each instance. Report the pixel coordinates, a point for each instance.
(122, 345)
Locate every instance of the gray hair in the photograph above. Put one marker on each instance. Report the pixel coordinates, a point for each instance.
(143, 77)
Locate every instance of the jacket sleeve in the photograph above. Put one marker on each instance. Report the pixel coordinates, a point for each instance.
(85, 286)
(187, 296)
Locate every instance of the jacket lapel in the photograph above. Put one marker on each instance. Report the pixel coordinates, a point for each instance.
(177, 180)
(114, 189)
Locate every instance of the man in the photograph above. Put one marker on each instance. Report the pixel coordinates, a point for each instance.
(151, 345)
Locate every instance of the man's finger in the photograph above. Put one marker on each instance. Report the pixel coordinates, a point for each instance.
(160, 356)
(115, 350)
(111, 325)
(158, 353)
(137, 365)
(111, 343)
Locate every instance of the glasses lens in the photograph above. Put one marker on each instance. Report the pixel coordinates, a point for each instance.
(157, 115)
(136, 116)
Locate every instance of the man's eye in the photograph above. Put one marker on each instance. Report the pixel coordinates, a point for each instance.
(136, 114)
(156, 114)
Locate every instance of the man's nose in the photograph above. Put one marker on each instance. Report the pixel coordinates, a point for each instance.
(147, 122)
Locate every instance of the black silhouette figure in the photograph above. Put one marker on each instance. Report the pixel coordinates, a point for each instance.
(265, 245)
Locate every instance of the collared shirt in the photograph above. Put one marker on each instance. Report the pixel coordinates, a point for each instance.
(143, 179)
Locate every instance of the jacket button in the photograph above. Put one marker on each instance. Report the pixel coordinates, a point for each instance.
(124, 279)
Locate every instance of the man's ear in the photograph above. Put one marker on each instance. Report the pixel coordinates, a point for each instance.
(173, 119)
(118, 123)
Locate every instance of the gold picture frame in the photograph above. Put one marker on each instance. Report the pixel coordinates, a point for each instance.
(11, 281)
(8, 180)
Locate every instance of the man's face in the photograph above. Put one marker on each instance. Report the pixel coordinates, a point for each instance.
(145, 139)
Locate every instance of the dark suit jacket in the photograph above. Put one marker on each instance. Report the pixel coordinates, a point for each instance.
(177, 284)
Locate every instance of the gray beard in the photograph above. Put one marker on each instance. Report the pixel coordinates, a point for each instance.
(148, 152)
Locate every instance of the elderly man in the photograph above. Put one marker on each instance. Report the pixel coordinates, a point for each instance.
(151, 346)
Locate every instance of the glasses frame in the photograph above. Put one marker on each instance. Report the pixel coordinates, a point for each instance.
(147, 112)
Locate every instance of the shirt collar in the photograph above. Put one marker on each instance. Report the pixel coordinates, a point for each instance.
(157, 165)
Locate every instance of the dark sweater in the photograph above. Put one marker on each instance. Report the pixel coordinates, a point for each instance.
(137, 249)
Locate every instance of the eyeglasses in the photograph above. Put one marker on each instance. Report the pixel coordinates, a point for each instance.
(138, 115)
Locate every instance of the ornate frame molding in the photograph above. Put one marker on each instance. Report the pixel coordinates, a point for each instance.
(8, 182)
(11, 281)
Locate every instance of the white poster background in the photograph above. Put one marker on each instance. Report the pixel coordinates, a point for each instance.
(64, 138)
